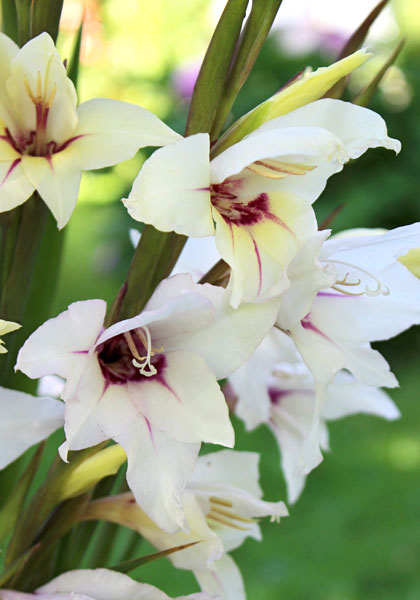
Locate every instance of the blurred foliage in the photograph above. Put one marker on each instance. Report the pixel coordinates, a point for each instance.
(354, 533)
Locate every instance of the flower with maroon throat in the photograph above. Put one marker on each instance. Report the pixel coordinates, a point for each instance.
(46, 142)
(150, 382)
(255, 197)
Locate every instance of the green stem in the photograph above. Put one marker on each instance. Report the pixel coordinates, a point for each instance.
(254, 34)
(153, 260)
(21, 245)
(23, 9)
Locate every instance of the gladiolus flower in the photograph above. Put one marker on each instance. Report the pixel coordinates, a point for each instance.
(46, 142)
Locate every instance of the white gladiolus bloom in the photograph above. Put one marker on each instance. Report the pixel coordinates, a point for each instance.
(371, 296)
(95, 584)
(255, 196)
(221, 502)
(46, 142)
(150, 382)
(6, 327)
(283, 397)
(25, 420)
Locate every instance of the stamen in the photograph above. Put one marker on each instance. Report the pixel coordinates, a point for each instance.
(215, 500)
(39, 87)
(51, 96)
(275, 169)
(231, 515)
(29, 91)
(218, 519)
(380, 287)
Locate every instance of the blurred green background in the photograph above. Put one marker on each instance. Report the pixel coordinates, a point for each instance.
(355, 533)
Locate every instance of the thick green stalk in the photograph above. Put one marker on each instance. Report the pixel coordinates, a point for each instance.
(9, 19)
(157, 252)
(21, 245)
(45, 16)
(23, 10)
(153, 260)
(255, 32)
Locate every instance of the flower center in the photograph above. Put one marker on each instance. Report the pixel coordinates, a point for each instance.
(36, 142)
(130, 357)
(221, 513)
(233, 209)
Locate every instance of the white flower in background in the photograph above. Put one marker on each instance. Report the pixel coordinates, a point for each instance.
(221, 501)
(150, 382)
(46, 142)
(371, 296)
(255, 196)
(283, 397)
(6, 327)
(95, 584)
(25, 420)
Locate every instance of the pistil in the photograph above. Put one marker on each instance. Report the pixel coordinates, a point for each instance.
(368, 291)
(142, 362)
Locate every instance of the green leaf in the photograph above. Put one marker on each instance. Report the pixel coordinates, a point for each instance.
(44, 501)
(215, 68)
(45, 16)
(130, 565)
(364, 97)
(38, 568)
(73, 66)
(9, 19)
(23, 12)
(16, 566)
(11, 510)
(254, 34)
(354, 43)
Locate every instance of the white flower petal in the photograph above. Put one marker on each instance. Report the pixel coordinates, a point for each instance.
(369, 366)
(24, 421)
(373, 251)
(227, 341)
(179, 315)
(8, 50)
(158, 468)
(57, 180)
(296, 144)
(39, 64)
(100, 584)
(60, 343)
(230, 468)
(110, 131)
(185, 401)
(82, 394)
(249, 382)
(357, 127)
(15, 188)
(172, 190)
(346, 396)
(223, 581)
(307, 276)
